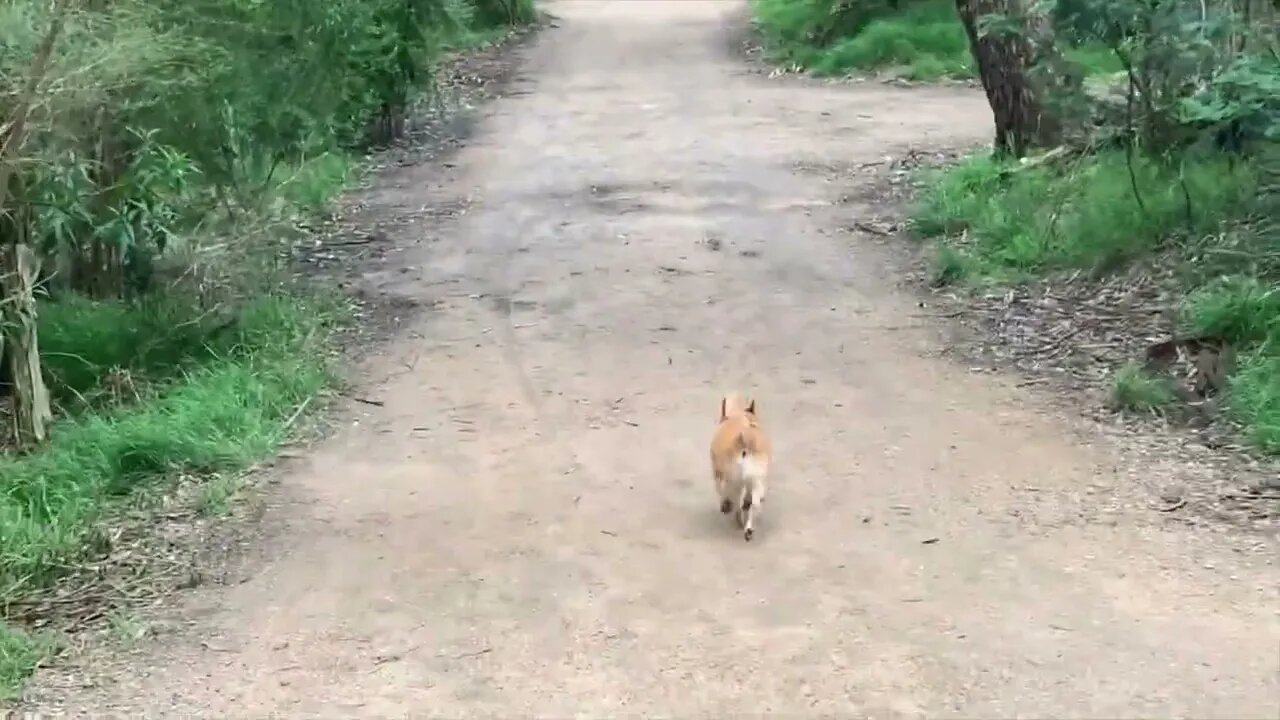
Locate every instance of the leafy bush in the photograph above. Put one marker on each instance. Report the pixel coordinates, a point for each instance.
(157, 113)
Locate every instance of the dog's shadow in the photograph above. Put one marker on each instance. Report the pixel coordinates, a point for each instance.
(705, 522)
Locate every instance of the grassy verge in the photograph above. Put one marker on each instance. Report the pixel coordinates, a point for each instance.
(921, 41)
(206, 400)
(197, 138)
(1008, 223)
(996, 223)
(168, 386)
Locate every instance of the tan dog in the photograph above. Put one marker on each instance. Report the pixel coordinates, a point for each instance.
(740, 458)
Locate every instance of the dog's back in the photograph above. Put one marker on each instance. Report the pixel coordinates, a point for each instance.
(740, 460)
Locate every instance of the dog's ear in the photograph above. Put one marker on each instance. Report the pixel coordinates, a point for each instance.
(751, 406)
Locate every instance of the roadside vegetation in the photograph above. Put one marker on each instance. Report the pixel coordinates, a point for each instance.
(1169, 169)
(157, 160)
(915, 40)
(1136, 142)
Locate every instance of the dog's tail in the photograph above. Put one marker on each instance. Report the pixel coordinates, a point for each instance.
(751, 467)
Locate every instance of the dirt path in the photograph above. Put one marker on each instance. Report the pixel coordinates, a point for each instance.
(527, 527)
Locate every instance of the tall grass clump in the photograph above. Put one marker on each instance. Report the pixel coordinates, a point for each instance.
(1244, 310)
(924, 39)
(1136, 390)
(1095, 214)
(20, 653)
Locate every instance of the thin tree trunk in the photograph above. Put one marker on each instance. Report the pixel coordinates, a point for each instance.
(1004, 63)
(19, 269)
(19, 263)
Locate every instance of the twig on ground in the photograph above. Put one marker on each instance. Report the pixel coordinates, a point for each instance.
(298, 412)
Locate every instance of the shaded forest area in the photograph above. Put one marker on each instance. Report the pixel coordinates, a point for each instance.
(1123, 227)
(158, 160)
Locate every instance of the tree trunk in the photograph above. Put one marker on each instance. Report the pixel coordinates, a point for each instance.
(1004, 61)
(19, 270)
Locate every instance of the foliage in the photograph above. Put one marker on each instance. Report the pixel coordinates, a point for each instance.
(1242, 96)
(1016, 220)
(1255, 397)
(796, 26)
(20, 652)
(1187, 67)
(1173, 151)
(158, 113)
(833, 38)
(1243, 310)
(168, 140)
(1178, 164)
(1246, 312)
(213, 415)
(919, 39)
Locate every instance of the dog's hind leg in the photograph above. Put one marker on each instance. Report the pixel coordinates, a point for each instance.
(726, 504)
(744, 506)
(752, 504)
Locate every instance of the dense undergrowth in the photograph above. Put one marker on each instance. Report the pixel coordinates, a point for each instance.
(1181, 175)
(917, 40)
(170, 147)
(997, 223)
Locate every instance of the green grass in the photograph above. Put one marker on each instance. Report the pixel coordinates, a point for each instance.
(313, 183)
(922, 41)
(1246, 312)
(995, 222)
(926, 41)
(1254, 398)
(1241, 309)
(219, 415)
(1007, 223)
(218, 407)
(82, 341)
(1135, 390)
(20, 653)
